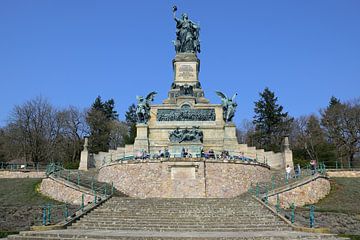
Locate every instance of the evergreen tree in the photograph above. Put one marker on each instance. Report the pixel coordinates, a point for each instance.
(130, 118)
(271, 123)
(99, 119)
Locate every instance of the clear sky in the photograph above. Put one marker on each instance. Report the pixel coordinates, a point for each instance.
(72, 51)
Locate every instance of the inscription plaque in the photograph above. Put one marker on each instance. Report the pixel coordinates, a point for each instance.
(185, 115)
(186, 71)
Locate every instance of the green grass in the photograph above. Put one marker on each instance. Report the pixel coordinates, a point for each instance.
(344, 196)
(352, 237)
(4, 234)
(15, 192)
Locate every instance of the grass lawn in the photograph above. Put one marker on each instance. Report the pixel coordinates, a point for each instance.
(344, 196)
(22, 192)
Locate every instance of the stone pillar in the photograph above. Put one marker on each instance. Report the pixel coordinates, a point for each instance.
(287, 154)
(230, 140)
(84, 157)
(142, 140)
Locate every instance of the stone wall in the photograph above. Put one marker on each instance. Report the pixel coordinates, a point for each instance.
(308, 192)
(60, 191)
(21, 174)
(176, 179)
(341, 173)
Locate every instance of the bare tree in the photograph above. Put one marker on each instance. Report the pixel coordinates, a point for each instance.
(342, 124)
(73, 129)
(117, 134)
(32, 129)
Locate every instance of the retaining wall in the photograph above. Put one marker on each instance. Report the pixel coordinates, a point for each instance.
(22, 174)
(183, 179)
(341, 173)
(309, 191)
(64, 192)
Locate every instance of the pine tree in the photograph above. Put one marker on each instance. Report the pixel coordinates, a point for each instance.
(271, 123)
(130, 117)
(99, 119)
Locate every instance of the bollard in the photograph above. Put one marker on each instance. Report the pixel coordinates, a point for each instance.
(266, 197)
(336, 165)
(66, 212)
(44, 216)
(312, 216)
(49, 213)
(82, 202)
(112, 188)
(292, 216)
(105, 190)
(277, 203)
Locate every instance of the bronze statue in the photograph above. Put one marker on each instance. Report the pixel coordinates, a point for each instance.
(143, 107)
(187, 34)
(229, 106)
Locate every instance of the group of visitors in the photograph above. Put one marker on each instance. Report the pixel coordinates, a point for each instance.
(297, 170)
(208, 154)
(185, 153)
(143, 154)
(162, 154)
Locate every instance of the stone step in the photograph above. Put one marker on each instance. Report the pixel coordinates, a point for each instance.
(183, 219)
(179, 214)
(146, 235)
(145, 223)
(187, 229)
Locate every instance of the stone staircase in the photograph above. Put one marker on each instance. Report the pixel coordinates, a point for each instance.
(128, 218)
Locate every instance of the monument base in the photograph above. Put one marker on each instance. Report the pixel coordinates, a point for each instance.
(230, 140)
(193, 148)
(141, 143)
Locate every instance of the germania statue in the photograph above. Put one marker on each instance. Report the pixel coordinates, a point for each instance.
(143, 107)
(187, 34)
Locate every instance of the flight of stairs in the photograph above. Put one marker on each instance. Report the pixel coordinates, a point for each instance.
(238, 214)
(128, 218)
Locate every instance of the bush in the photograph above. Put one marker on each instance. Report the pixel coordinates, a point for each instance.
(71, 165)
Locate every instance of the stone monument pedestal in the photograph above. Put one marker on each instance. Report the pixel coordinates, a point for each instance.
(84, 157)
(194, 148)
(141, 141)
(287, 155)
(230, 140)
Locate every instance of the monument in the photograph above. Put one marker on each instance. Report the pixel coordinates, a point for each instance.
(186, 120)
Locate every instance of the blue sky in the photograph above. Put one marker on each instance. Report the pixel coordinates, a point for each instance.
(72, 51)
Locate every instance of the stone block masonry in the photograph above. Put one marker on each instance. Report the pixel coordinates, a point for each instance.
(308, 192)
(22, 174)
(183, 178)
(62, 192)
(342, 173)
